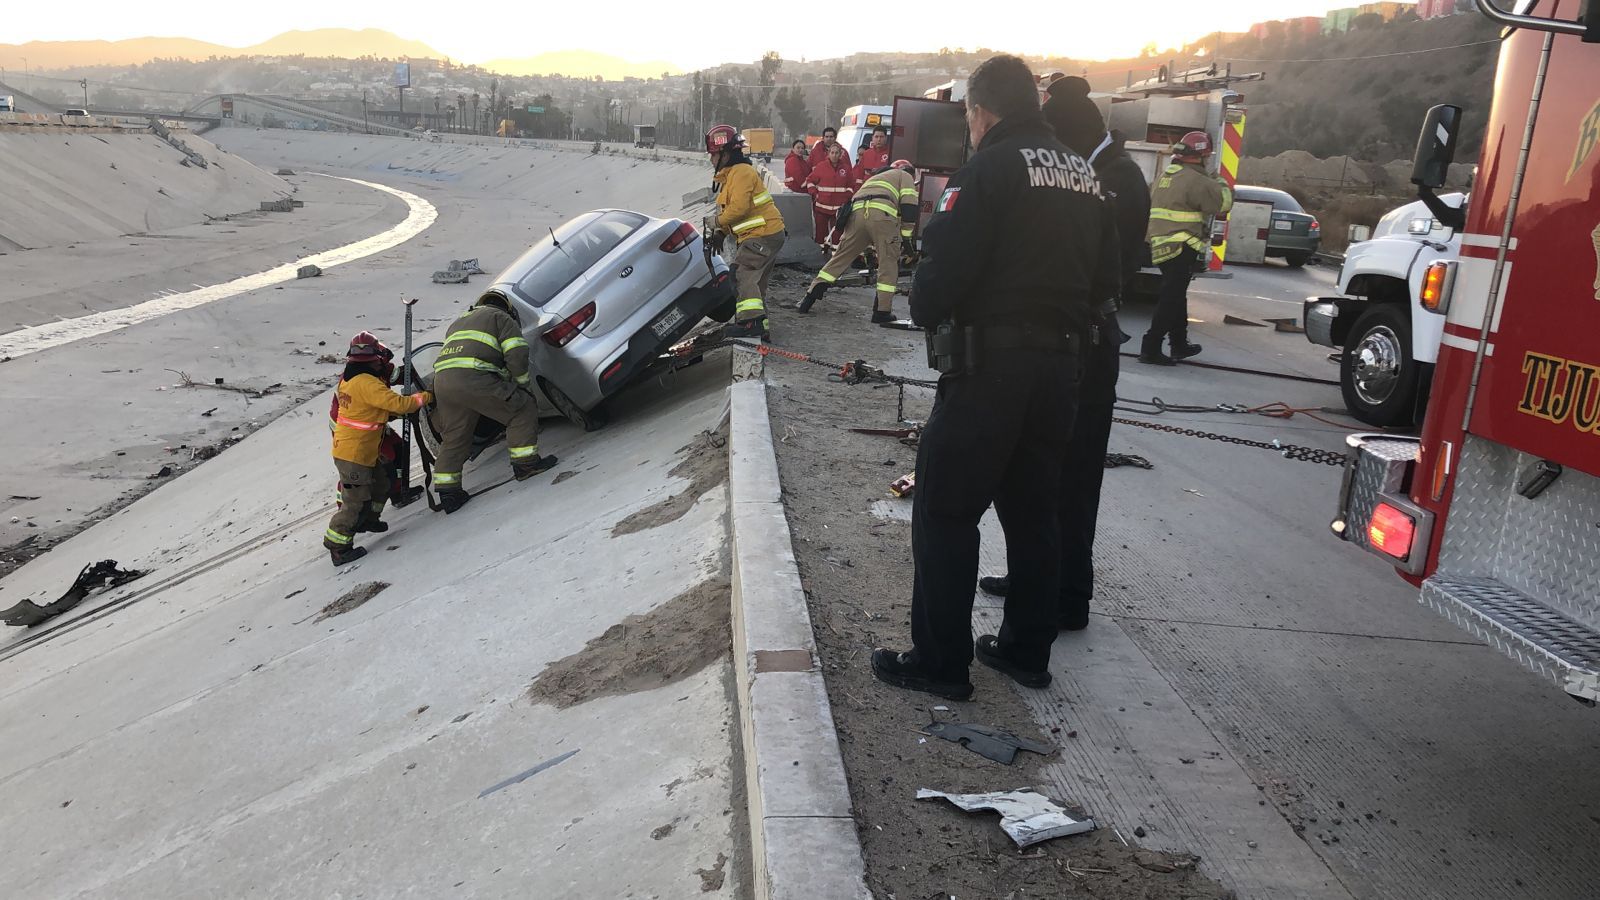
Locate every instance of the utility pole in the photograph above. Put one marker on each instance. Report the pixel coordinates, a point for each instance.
(364, 125)
(84, 83)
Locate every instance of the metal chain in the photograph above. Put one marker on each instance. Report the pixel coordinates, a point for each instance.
(1288, 451)
(858, 372)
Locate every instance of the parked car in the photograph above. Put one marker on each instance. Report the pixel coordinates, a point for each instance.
(1295, 234)
(1390, 341)
(601, 299)
(76, 111)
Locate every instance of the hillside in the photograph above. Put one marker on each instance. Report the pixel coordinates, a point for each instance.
(339, 42)
(580, 64)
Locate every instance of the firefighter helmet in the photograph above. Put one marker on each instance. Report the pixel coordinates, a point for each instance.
(1195, 146)
(720, 138)
(907, 166)
(365, 347)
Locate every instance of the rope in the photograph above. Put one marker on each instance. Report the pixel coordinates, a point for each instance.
(1287, 376)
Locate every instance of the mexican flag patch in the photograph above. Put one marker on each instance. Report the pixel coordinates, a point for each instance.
(947, 200)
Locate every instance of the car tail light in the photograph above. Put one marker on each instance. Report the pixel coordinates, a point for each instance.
(1315, 225)
(564, 331)
(680, 239)
(1261, 234)
(1391, 531)
(1436, 286)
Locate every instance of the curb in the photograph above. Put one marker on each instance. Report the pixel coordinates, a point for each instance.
(802, 832)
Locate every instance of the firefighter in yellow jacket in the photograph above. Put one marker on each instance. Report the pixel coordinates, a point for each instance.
(746, 211)
(883, 214)
(365, 405)
(1181, 208)
(482, 370)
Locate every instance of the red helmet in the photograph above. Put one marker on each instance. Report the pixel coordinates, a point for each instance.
(1196, 145)
(365, 347)
(906, 165)
(720, 138)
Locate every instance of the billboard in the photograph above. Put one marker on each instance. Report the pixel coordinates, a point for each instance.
(402, 75)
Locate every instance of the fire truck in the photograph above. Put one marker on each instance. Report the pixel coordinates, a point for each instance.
(1494, 512)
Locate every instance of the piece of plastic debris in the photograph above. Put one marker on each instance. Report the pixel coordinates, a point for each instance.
(105, 573)
(524, 776)
(986, 740)
(308, 271)
(1027, 817)
(904, 486)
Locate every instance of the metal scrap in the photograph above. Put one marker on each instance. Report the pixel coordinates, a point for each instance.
(446, 277)
(1028, 818)
(986, 740)
(103, 574)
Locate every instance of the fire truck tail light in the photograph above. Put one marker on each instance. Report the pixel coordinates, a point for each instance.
(1436, 285)
(1391, 531)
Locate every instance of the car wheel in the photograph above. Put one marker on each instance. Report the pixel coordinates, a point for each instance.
(1377, 374)
(1296, 259)
(591, 420)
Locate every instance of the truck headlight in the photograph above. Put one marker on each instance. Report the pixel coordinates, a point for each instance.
(1423, 225)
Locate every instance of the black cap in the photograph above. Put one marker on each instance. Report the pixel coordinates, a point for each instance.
(1075, 118)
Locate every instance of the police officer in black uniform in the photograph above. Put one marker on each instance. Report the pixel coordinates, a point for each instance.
(1079, 125)
(1021, 248)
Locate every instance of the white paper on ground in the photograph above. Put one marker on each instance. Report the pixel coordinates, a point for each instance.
(1027, 817)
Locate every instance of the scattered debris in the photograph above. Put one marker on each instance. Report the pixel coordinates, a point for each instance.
(986, 740)
(188, 382)
(164, 472)
(103, 574)
(1118, 460)
(276, 206)
(285, 170)
(711, 878)
(1287, 326)
(443, 277)
(330, 358)
(351, 599)
(524, 776)
(207, 413)
(1028, 818)
(904, 486)
(563, 476)
(1229, 319)
(469, 266)
(22, 497)
(308, 271)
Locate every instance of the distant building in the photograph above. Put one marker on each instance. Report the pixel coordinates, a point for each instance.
(1435, 9)
(1304, 26)
(1337, 21)
(1387, 10)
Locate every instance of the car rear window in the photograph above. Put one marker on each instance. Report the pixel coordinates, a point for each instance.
(557, 260)
(1281, 201)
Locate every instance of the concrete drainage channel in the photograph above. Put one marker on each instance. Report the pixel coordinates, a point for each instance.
(802, 831)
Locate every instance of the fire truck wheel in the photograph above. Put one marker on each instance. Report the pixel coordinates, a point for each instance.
(1377, 374)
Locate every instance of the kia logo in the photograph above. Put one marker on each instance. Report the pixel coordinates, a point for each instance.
(628, 271)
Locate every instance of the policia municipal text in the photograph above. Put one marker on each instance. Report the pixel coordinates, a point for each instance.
(1022, 247)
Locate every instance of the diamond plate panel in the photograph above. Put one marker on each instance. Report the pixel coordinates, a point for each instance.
(1547, 548)
(1549, 644)
(1380, 467)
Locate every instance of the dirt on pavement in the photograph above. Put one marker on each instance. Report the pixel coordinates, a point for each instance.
(855, 567)
(704, 465)
(351, 599)
(671, 642)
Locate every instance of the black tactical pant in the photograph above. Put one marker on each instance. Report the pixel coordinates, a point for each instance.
(996, 437)
(1171, 319)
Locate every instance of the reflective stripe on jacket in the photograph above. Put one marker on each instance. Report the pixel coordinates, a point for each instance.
(745, 205)
(1183, 201)
(892, 192)
(488, 339)
(868, 161)
(365, 404)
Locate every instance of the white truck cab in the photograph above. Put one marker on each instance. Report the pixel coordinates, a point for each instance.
(1390, 341)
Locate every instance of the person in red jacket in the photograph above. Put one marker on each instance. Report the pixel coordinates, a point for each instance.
(873, 156)
(819, 150)
(831, 183)
(796, 167)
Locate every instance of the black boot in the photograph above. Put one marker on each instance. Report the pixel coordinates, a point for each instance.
(371, 524)
(995, 585)
(812, 296)
(1183, 349)
(903, 671)
(525, 469)
(987, 649)
(883, 317)
(750, 328)
(342, 555)
(453, 498)
(1150, 351)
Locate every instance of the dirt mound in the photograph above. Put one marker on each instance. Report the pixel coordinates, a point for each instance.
(705, 465)
(671, 642)
(351, 599)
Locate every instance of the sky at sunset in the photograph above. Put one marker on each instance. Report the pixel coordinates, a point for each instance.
(692, 35)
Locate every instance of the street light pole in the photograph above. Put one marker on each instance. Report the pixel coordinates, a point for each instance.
(364, 126)
(84, 83)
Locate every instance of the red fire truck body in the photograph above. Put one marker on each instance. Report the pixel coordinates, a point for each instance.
(1495, 512)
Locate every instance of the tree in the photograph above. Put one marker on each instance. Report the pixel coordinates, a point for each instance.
(791, 104)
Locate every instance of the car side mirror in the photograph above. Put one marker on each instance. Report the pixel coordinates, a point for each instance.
(1430, 166)
(1436, 147)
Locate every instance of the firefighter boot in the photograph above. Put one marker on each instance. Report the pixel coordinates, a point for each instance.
(342, 555)
(812, 296)
(750, 328)
(453, 498)
(522, 470)
(1150, 351)
(1182, 349)
(370, 523)
(882, 317)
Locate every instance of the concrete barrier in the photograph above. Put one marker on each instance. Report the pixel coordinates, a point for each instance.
(802, 830)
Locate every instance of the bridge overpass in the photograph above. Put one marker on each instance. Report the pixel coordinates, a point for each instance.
(285, 106)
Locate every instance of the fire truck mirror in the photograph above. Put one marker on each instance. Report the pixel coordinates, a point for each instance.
(1436, 147)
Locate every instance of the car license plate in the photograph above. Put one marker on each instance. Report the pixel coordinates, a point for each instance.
(664, 325)
(1283, 225)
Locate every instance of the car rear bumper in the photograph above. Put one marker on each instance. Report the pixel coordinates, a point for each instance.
(647, 343)
(1279, 244)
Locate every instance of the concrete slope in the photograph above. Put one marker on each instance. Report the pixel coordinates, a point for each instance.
(215, 738)
(64, 185)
